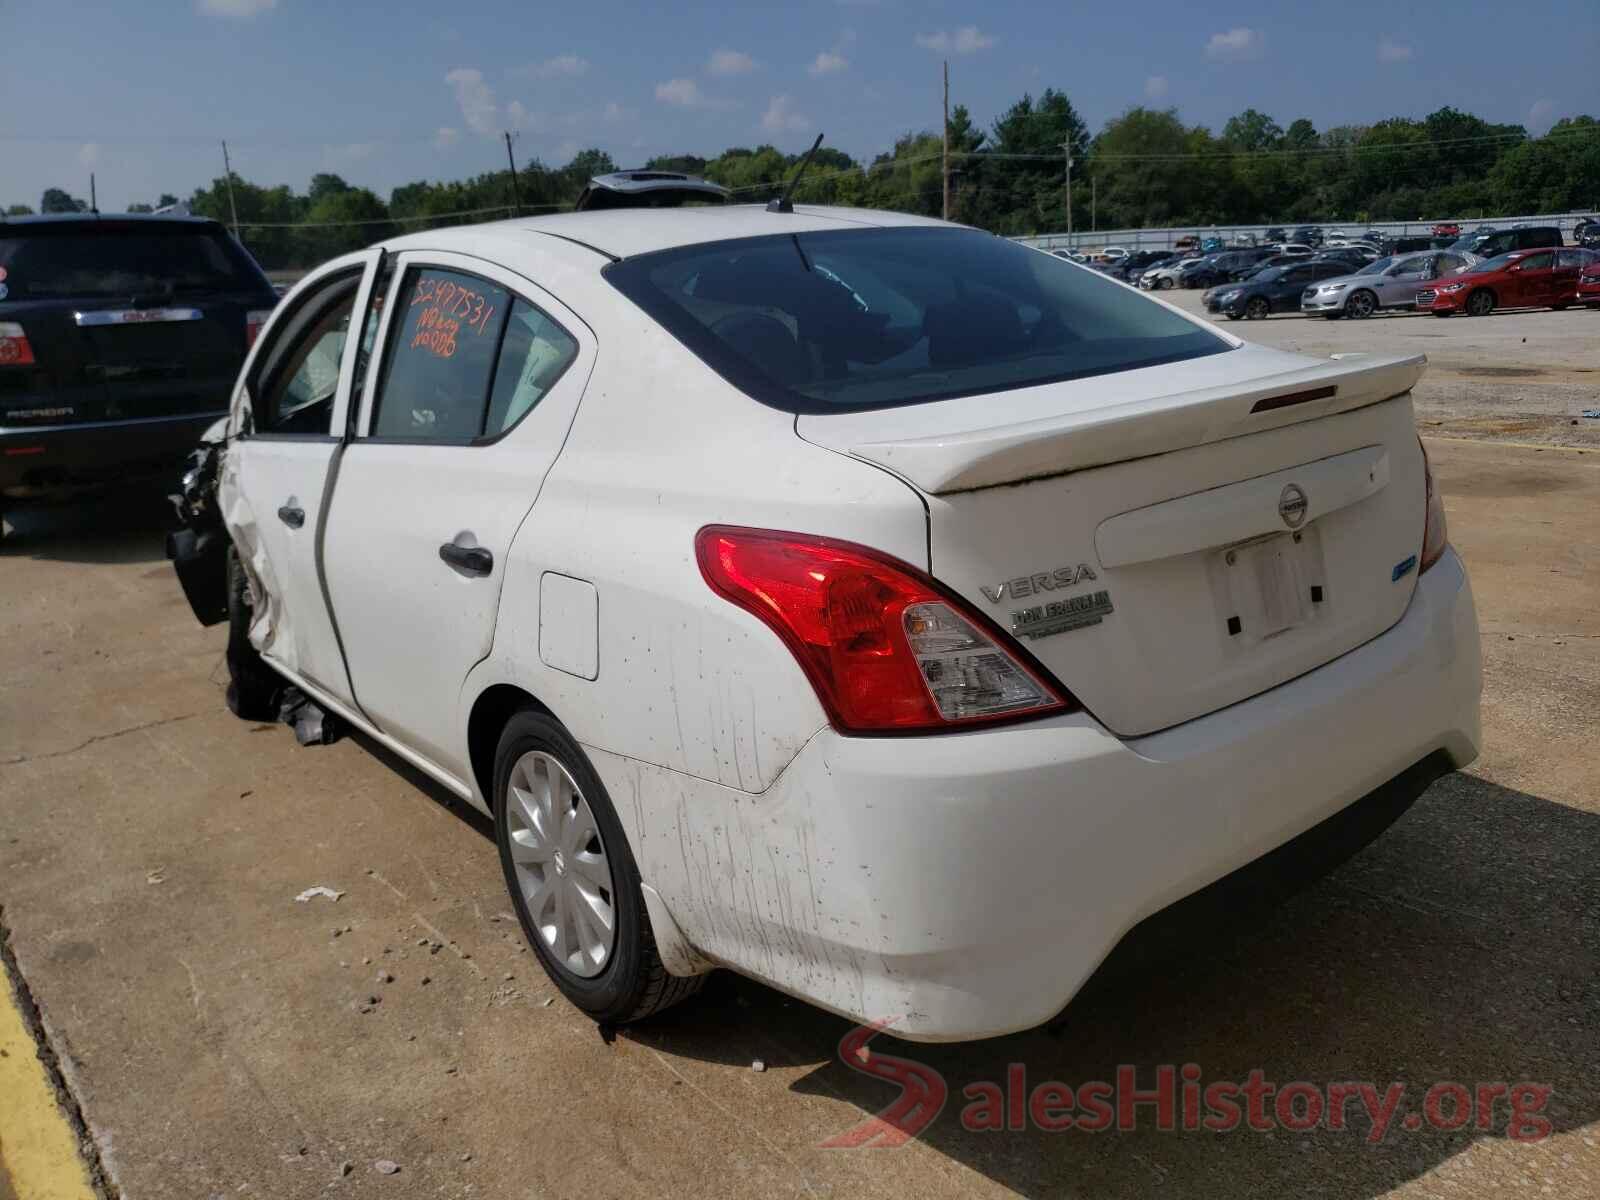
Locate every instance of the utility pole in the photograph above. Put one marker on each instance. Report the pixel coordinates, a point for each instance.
(1094, 190)
(1066, 148)
(227, 173)
(516, 190)
(946, 210)
(94, 204)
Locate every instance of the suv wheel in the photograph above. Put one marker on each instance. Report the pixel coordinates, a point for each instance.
(572, 878)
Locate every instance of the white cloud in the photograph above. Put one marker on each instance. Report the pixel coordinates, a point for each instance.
(446, 137)
(236, 8)
(1155, 88)
(827, 63)
(476, 98)
(685, 93)
(562, 66)
(730, 62)
(1391, 51)
(89, 154)
(966, 40)
(1236, 45)
(1540, 116)
(781, 117)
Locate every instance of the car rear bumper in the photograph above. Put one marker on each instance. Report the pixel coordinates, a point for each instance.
(966, 885)
(63, 458)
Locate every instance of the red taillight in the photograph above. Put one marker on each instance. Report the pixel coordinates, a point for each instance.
(887, 649)
(1435, 537)
(14, 348)
(253, 321)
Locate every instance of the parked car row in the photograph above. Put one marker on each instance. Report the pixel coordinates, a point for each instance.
(1547, 278)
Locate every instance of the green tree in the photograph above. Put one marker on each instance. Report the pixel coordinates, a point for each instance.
(55, 200)
(19, 210)
(1252, 131)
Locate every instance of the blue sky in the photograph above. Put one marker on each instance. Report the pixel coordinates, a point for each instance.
(387, 93)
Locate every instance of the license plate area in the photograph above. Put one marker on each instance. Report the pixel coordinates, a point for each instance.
(1270, 586)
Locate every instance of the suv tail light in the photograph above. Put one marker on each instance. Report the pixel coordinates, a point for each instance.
(14, 348)
(253, 321)
(886, 648)
(1435, 537)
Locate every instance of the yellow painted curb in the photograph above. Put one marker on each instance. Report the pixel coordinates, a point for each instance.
(38, 1150)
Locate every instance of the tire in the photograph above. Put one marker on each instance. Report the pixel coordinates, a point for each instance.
(1361, 304)
(1164, 285)
(1480, 303)
(541, 848)
(1558, 307)
(1257, 308)
(253, 686)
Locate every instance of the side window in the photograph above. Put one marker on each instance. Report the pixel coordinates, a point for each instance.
(1538, 262)
(293, 391)
(465, 359)
(1571, 258)
(534, 353)
(440, 357)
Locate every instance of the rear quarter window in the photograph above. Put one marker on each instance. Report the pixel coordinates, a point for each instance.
(874, 318)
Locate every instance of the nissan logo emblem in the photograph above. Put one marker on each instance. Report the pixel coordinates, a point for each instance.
(1292, 506)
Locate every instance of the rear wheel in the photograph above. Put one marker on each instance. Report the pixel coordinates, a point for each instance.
(1257, 309)
(572, 878)
(1361, 305)
(1480, 303)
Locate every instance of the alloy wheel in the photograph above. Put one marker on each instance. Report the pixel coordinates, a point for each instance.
(561, 867)
(1257, 309)
(1361, 304)
(1481, 304)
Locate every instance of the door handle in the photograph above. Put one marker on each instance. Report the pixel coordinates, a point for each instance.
(474, 560)
(292, 517)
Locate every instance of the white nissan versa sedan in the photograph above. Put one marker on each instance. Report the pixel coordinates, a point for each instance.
(884, 610)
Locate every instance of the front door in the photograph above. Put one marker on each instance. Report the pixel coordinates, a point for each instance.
(479, 381)
(1401, 282)
(1531, 280)
(293, 403)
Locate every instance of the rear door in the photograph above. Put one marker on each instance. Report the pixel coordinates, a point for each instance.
(128, 320)
(480, 376)
(1400, 283)
(292, 412)
(1564, 280)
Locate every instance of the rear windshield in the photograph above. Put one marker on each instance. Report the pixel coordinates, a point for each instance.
(110, 262)
(877, 318)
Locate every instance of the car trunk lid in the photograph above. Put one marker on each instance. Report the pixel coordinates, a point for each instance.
(1166, 552)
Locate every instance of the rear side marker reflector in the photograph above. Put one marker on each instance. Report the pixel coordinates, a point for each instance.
(886, 648)
(1289, 399)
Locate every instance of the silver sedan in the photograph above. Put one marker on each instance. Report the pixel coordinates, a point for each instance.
(1388, 283)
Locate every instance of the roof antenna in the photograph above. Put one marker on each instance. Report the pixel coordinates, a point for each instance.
(783, 204)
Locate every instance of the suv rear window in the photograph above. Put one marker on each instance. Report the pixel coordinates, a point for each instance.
(878, 318)
(139, 260)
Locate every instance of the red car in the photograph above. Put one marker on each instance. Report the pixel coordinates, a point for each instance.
(1447, 229)
(1589, 283)
(1522, 279)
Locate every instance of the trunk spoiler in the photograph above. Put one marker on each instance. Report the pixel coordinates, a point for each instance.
(1105, 420)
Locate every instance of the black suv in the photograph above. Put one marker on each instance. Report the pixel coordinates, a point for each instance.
(1492, 243)
(120, 339)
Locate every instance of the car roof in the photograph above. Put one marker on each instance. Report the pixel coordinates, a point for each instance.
(626, 232)
(94, 218)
